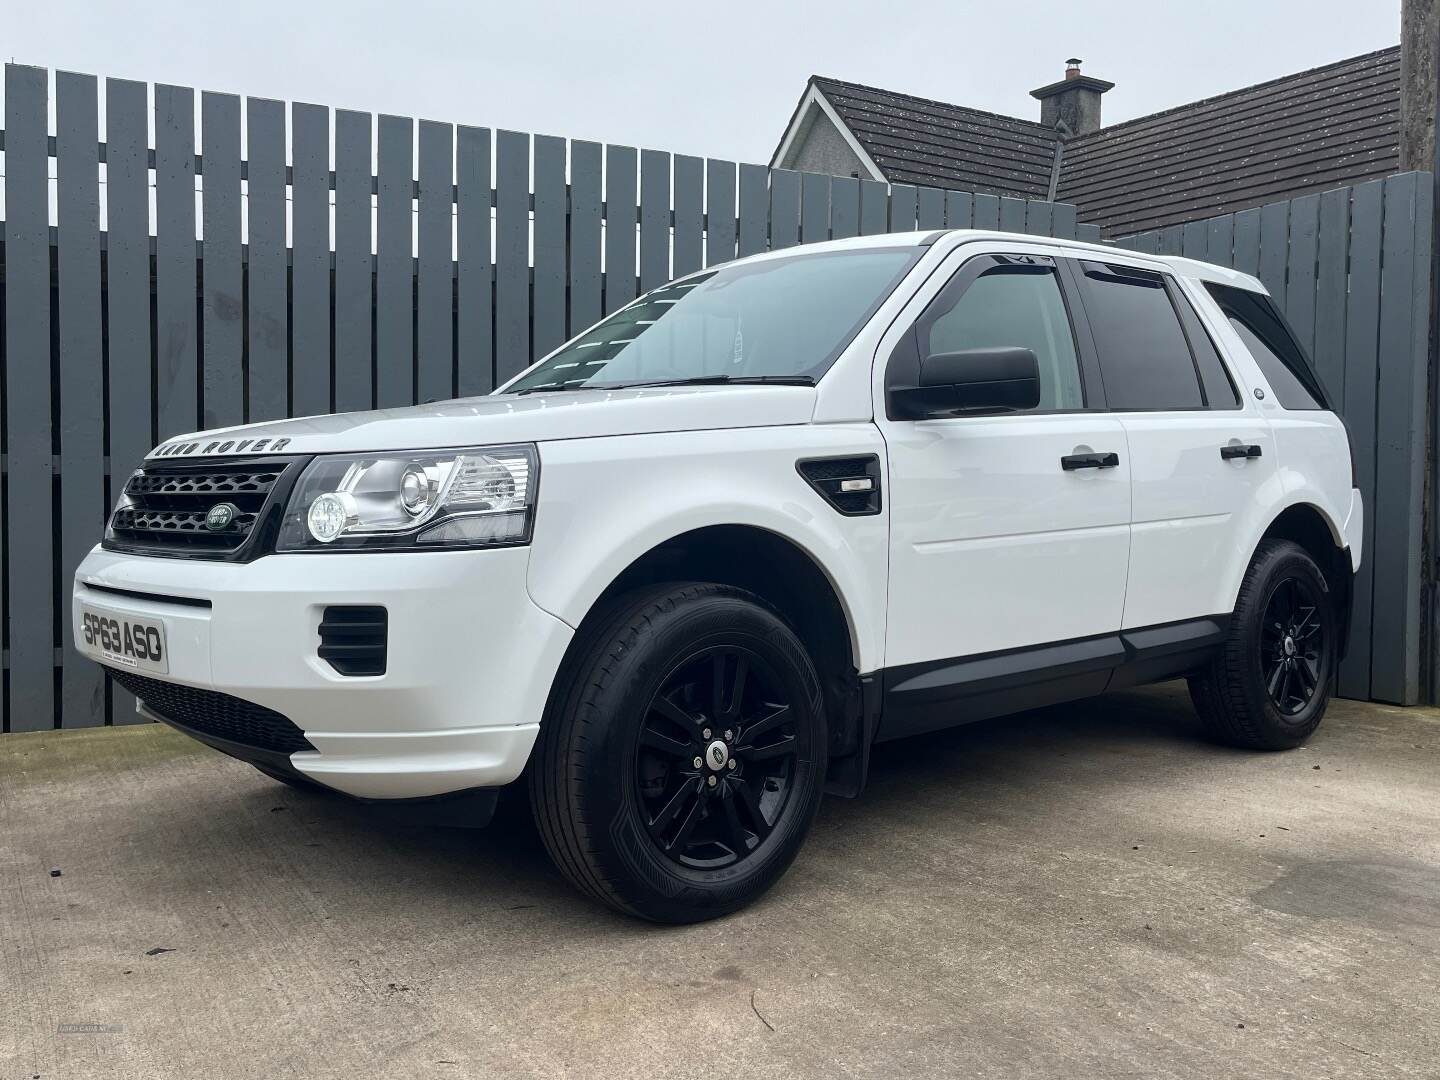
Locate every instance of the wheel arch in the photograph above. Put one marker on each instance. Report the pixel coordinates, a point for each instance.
(781, 572)
(1308, 525)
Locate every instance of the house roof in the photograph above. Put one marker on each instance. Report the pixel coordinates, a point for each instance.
(1332, 125)
(1311, 131)
(914, 140)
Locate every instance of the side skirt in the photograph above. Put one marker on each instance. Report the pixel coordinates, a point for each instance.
(938, 694)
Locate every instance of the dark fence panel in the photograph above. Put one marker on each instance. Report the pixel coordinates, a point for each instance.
(1351, 269)
(420, 260)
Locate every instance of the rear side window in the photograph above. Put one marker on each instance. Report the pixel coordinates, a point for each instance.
(1144, 356)
(1263, 330)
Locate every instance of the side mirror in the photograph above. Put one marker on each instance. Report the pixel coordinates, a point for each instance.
(970, 381)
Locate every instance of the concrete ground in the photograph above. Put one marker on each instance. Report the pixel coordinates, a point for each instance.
(1087, 891)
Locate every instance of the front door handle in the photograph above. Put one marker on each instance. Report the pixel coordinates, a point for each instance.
(1071, 462)
(1231, 452)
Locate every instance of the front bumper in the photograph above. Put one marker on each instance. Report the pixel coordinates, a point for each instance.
(470, 658)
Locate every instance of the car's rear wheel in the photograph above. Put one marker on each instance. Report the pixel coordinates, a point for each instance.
(682, 758)
(1270, 684)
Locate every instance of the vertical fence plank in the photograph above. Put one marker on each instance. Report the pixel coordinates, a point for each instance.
(959, 210)
(689, 213)
(1195, 241)
(1300, 269)
(1274, 249)
(654, 219)
(1362, 329)
(269, 374)
(1169, 239)
(784, 208)
(719, 211)
(222, 380)
(620, 208)
(82, 456)
(1332, 285)
(844, 207)
(874, 207)
(1087, 232)
(1062, 224)
(987, 211)
(394, 263)
(1012, 214)
(754, 222)
(176, 359)
(1040, 218)
(473, 292)
(1400, 443)
(1247, 242)
(549, 183)
(930, 208)
(814, 208)
(435, 284)
(1220, 240)
(586, 163)
(354, 262)
(27, 399)
(902, 208)
(512, 254)
(310, 273)
(127, 300)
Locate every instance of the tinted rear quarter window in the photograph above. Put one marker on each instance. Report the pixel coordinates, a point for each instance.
(1263, 330)
(1144, 356)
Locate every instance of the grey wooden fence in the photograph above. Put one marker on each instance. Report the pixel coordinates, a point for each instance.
(1351, 269)
(487, 250)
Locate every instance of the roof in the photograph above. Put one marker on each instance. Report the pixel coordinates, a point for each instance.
(1323, 128)
(914, 140)
(1317, 129)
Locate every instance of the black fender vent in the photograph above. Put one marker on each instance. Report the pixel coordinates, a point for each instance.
(850, 484)
(352, 639)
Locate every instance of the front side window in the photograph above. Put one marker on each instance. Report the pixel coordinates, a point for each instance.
(1014, 306)
(1263, 330)
(1144, 357)
(783, 319)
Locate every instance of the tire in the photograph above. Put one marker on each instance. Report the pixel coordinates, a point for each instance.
(1245, 696)
(623, 810)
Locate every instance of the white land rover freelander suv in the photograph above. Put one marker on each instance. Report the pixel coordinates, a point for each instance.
(681, 574)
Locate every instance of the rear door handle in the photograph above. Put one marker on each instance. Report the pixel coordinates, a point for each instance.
(1071, 462)
(1229, 453)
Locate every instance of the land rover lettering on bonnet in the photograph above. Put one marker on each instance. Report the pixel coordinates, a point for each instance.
(674, 581)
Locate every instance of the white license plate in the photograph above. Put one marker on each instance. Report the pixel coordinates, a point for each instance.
(126, 641)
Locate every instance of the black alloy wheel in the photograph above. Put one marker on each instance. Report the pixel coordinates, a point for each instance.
(715, 761)
(1292, 645)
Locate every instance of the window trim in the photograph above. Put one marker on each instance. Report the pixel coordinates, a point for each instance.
(907, 352)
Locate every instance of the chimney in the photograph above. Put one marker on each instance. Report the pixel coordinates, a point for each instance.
(1072, 105)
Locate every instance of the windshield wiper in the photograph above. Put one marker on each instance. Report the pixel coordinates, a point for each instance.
(565, 384)
(724, 380)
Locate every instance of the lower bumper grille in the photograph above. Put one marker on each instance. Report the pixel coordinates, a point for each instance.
(217, 715)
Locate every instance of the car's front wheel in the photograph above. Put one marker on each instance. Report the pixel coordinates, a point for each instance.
(1268, 687)
(682, 757)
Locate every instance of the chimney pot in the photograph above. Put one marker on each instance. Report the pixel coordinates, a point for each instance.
(1072, 68)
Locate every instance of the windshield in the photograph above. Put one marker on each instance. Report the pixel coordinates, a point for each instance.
(780, 320)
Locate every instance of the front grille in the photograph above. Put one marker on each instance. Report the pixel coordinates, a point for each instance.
(168, 505)
(352, 639)
(219, 715)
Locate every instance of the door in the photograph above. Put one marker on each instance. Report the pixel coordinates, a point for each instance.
(1199, 453)
(1008, 530)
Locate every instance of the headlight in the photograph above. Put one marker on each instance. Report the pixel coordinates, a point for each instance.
(418, 501)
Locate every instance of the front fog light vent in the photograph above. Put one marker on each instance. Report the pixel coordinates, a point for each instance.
(850, 484)
(352, 639)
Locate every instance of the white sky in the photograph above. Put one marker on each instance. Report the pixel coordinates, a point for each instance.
(716, 78)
